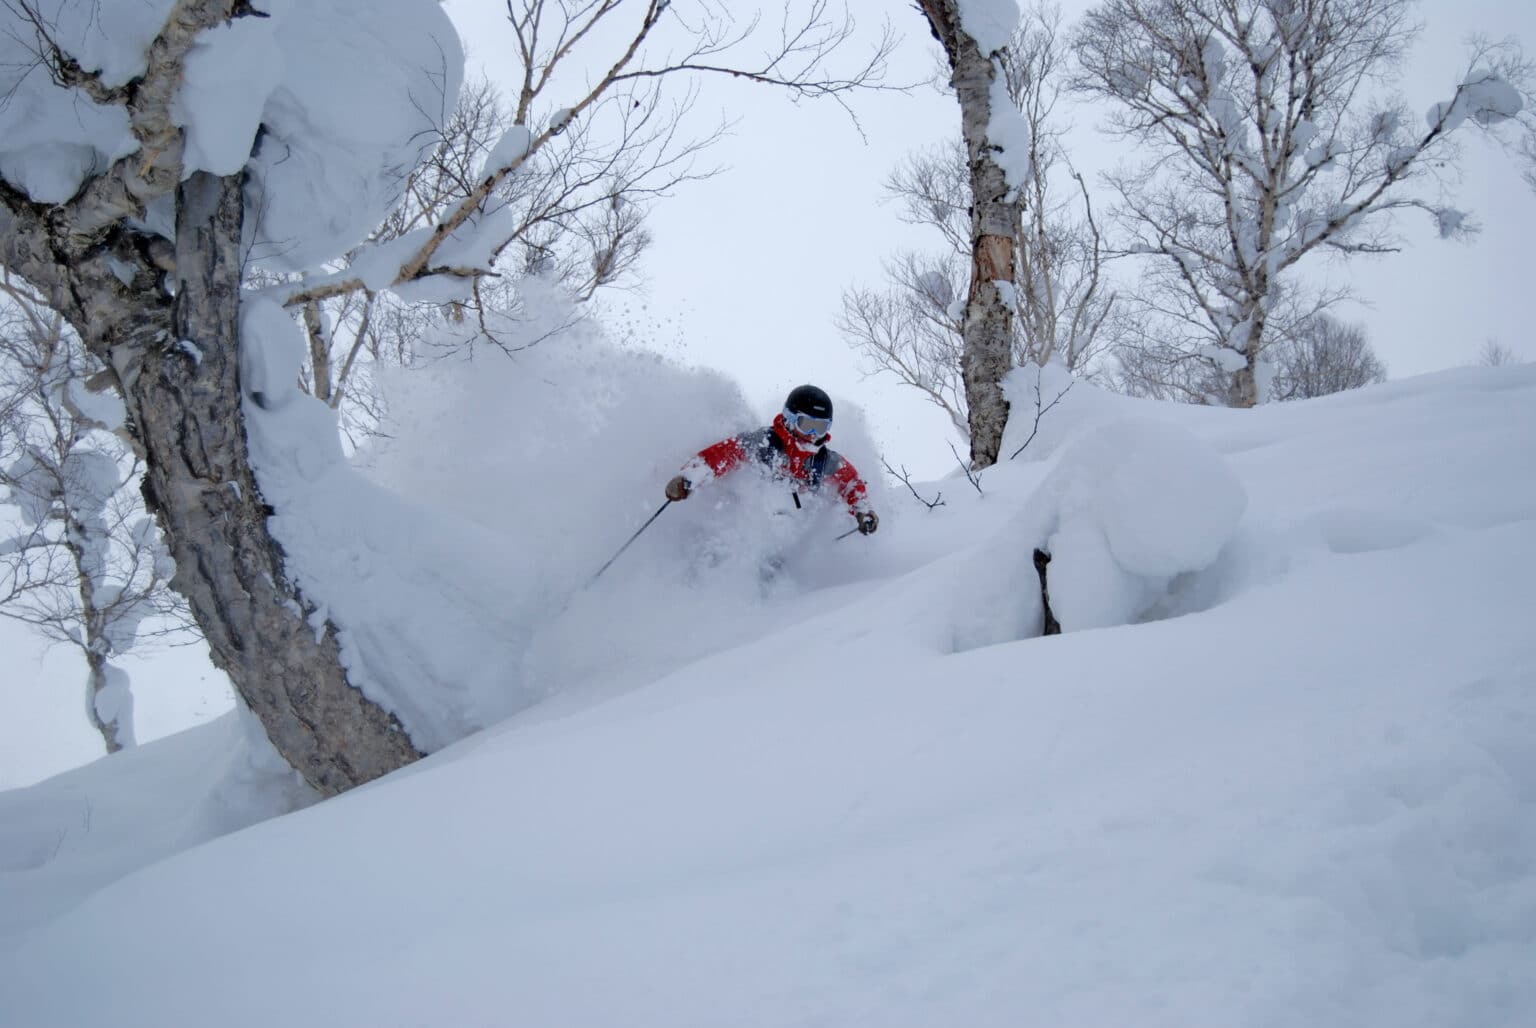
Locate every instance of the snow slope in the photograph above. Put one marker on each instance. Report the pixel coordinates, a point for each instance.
(1287, 781)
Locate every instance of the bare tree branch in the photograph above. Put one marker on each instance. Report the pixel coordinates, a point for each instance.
(906, 480)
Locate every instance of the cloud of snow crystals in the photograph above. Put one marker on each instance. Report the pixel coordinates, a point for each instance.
(454, 570)
(413, 597)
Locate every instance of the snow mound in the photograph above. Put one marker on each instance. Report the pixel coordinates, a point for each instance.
(1129, 506)
(92, 825)
(860, 813)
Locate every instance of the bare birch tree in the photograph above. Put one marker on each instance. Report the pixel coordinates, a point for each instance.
(100, 257)
(996, 146)
(1266, 146)
(80, 560)
(913, 328)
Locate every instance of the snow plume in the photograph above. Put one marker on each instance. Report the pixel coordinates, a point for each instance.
(456, 573)
(418, 597)
(559, 453)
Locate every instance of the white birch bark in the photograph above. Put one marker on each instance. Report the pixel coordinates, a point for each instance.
(995, 222)
(106, 278)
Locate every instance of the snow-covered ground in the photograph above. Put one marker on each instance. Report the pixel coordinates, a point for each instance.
(1287, 778)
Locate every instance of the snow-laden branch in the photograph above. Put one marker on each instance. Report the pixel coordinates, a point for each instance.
(795, 63)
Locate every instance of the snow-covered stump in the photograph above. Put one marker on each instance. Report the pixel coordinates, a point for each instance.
(1048, 623)
(1131, 506)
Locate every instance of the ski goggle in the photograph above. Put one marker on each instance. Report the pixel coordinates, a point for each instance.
(807, 425)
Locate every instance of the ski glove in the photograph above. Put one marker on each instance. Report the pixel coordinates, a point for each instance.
(678, 488)
(868, 522)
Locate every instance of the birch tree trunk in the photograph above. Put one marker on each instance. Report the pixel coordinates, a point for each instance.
(186, 401)
(995, 220)
(112, 730)
(94, 643)
(176, 363)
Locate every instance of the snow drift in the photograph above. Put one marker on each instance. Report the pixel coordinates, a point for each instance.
(864, 792)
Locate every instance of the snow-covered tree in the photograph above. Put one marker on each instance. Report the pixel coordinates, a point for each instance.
(153, 149)
(1265, 144)
(80, 560)
(975, 35)
(913, 328)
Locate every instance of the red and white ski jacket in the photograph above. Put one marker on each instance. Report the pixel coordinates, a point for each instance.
(783, 455)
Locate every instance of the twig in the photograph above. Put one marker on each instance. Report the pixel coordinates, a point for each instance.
(1040, 412)
(973, 477)
(938, 498)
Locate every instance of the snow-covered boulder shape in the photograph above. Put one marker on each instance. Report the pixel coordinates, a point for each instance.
(353, 94)
(1131, 504)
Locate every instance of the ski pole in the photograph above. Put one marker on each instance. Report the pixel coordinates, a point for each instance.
(846, 534)
(632, 538)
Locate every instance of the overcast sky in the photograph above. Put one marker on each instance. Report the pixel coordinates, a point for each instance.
(748, 268)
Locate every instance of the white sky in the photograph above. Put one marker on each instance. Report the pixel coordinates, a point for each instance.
(748, 269)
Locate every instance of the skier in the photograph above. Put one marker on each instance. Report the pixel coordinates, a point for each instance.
(794, 449)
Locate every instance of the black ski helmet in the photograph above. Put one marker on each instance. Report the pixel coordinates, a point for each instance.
(807, 399)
